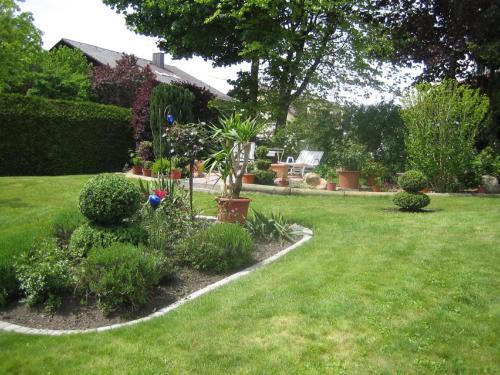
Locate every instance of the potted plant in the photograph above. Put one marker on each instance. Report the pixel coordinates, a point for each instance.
(351, 158)
(175, 169)
(234, 136)
(371, 170)
(146, 168)
(377, 182)
(136, 165)
(331, 179)
(249, 177)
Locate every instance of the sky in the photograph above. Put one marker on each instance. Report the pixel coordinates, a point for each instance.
(92, 22)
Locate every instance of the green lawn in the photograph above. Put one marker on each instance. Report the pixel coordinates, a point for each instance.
(375, 291)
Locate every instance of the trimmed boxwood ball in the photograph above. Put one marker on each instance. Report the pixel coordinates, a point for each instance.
(89, 235)
(109, 198)
(412, 181)
(411, 201)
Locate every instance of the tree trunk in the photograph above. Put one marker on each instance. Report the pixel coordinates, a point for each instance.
(254, 86)
(282, 114)
(191, 171)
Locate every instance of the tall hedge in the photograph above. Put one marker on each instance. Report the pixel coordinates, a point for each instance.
(41, 136)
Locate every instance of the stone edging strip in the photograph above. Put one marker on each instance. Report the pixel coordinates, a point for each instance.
(306, 236)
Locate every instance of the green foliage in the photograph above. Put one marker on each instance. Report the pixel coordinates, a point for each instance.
(64, 224)
(108, 199)
(88, 236)
(8, 280)
(21, 45)
(120, 276)
(45, 273)
(62, 73)
(261, 152)
(411, 201)
(486, 163)
(53, 137)
(412, 181)
(145, 151)
(326, 172)
(262, 164)
(168, 99)
(372, 168)
(350, 155)
(442, 122)
(264, 177)
(272, 227)
(219, 248)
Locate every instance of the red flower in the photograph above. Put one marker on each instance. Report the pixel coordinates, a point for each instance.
(160, 193)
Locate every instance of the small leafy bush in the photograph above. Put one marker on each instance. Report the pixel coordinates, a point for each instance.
(145, 151)
(262, 165)
(89, 235)
(486, 163)
(411, 201)
(412, 181)
(120, 276)
(45, 273)
(8, 280)
(64, 225)
(269, 227)
(219, 248)
(108, 199)
(261, 152)
(264, 177)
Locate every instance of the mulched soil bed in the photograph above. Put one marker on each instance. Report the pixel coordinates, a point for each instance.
(77, 315)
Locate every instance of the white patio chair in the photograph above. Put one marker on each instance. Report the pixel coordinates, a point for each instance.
(306, 161)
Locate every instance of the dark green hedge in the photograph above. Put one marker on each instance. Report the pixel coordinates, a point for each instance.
(41, 136)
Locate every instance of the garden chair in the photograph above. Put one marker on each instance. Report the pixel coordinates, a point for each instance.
(306, 161)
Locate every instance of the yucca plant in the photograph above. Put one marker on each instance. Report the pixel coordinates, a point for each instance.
(273, 227)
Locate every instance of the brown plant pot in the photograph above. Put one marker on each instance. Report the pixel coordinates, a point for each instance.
(146, 172)
(248, 178)
(232, 210)
(376, 188)
(283, 182)
(137, 169)
(348, 179)
(481, 189)
(176, 174)
(280, 169)
(370, 181)
(331, 186)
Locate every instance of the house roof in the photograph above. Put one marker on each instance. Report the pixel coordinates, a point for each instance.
(167, 74)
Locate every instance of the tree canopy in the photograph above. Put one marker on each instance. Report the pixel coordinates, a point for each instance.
(20, 44)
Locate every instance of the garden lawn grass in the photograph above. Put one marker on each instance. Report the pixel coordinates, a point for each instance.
(375, 291)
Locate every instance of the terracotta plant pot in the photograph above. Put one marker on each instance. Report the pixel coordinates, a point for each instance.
(331, 186)
(370, 181)
(481, 189)
(248, 178)
(146, 172)
(137, 169)
(376, 188)
(233, 210)
(283, 182)
(280, 169)
(348, 179)
(176, 174)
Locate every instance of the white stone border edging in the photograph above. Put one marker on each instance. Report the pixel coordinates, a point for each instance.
(306, 236)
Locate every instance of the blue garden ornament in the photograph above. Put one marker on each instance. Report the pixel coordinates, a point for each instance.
(170, 119)
(154, 200)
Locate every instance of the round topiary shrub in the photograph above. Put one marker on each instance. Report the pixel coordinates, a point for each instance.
(88, 236)
(412, 181)
(120, 276)
(264, 177)
(108, 199)
(261, 152)
(218, 248)
(411, 201)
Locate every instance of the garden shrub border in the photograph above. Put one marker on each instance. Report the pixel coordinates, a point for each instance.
(306, 233)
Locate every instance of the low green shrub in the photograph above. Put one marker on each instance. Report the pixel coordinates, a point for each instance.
(120, 276)
(218, 248)
(64, 224)
(261, 152)
(411, 201)
(8, 280)
(412, 181)
(273, 227)
(108, 199)
(45, 273)
(264, 177)
(262, 165)
(89, 235)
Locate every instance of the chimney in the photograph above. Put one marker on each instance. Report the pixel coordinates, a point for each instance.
(159, 59)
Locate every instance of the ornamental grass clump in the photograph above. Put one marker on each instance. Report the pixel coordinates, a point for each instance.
(412, 199)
